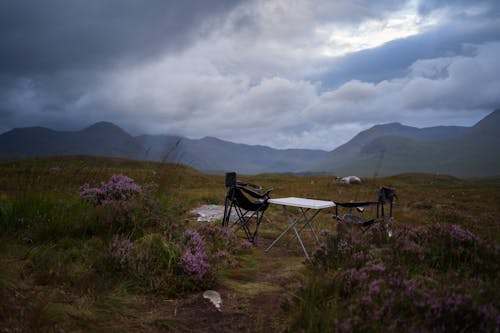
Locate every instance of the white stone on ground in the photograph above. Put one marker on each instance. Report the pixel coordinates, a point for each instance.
(213, 297)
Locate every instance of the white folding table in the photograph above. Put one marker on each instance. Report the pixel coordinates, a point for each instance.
(304, 206)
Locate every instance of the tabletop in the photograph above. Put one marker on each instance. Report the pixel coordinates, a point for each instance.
(302, 202)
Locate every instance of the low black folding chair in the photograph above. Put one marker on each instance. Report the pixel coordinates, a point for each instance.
(248, 203)
(357, 211)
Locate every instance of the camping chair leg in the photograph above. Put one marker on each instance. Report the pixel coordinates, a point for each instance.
(257, 224)
(244, 221)
(248, 233)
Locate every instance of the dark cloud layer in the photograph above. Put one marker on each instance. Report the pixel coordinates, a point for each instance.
(53, 53)
(40, 37)
(206, 67)
(462, 8)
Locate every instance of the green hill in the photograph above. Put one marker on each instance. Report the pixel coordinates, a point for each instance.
(393, 148)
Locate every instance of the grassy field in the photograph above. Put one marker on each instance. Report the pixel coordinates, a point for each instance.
(72, 261)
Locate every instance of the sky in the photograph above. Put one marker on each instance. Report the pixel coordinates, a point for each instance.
(281, 73)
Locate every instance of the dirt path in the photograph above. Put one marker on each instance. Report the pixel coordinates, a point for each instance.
(252, 294)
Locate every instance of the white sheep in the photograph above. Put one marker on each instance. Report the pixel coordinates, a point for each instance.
(349, 180)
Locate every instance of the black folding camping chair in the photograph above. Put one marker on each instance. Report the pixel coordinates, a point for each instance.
(247, 202)
(357, 212)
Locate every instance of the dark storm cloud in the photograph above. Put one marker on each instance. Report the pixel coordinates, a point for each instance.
(489, 8)
(356, 11)
(54, 52)
(392, 59)
(48, 36)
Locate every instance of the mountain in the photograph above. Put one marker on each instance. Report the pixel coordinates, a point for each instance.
(215, 155)
(104, 139)
(344, 154)
(394, 148)
(381, 150)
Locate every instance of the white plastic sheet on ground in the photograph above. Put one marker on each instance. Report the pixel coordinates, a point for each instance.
(211, 213)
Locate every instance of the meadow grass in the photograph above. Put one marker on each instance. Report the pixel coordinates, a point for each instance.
(70, 264)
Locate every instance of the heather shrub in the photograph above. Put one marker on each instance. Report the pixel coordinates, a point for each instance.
(115, 202)
(149, 260)
(451, 247)
(222, 244)
(435, 278)
(349, 247)
(208, 248)
(195, 259)
(121, 252)
(121, 206)
(119, 188)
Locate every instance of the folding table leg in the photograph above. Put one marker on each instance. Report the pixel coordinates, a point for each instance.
(292, 225)
(300, 241)
(308, 222)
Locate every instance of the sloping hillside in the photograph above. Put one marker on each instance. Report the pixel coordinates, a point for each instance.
(458, 151)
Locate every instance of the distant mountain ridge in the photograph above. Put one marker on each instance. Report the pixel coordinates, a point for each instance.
(393, 148)
(378, 151)
(215, 155)
(365, 142)
(106, 139)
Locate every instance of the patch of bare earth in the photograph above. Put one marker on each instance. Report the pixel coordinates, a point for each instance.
(251, 293)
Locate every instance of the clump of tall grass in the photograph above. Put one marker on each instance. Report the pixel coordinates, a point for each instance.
(177, 265)
(438, 278)
(66, 262)
(150, 261)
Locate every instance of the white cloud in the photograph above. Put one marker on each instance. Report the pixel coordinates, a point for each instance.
(288, 113)
(467, 82)
(342, 40)
(434, 89)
